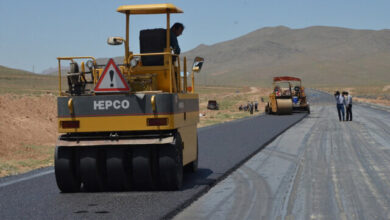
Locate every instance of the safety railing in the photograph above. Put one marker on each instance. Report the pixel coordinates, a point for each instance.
(72, 60)
(177, 82)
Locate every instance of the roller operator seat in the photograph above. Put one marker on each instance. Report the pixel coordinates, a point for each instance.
(152, 41)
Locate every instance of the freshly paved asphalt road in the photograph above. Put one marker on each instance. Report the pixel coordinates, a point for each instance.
(319, 169)
(222, 148)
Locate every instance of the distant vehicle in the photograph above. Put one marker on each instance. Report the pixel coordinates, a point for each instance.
(212, 105)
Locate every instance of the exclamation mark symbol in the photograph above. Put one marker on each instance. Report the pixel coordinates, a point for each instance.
(112, 78)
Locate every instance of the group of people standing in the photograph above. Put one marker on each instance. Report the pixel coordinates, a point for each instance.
(250, 107)
(344, 100)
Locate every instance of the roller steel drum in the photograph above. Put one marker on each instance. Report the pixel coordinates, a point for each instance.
(284, 106)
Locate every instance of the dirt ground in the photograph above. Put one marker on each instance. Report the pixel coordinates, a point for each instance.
(27, 132)
(229, 101)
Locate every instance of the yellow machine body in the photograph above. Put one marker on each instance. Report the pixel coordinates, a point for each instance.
(158, 110)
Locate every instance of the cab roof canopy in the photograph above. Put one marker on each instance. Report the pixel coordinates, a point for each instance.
(149, 9)
(286, 78)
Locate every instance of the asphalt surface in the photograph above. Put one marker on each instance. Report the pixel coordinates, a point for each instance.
(319, 169)
(222, 148)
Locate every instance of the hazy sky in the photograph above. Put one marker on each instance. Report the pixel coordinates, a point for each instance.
(35, 32)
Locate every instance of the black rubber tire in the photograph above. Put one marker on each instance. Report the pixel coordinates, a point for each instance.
(308, 109)
(193, 166)
(91, 175)
(170, 163)
(65, 170)
(142, 174)
(269, 109)
(117, 179)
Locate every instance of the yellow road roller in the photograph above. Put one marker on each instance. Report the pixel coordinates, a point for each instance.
(130, 125)
(280, 100)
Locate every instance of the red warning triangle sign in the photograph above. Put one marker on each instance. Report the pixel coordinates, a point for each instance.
(112, 79)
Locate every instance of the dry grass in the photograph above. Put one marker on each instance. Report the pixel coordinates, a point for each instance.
(26, 158)
(371, 94)
(22, 82)
(229, 100)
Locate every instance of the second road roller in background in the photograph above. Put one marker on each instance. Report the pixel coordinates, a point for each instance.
(299, 97)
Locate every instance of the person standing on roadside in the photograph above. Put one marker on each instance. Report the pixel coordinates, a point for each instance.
(348, 106)
(340, 105)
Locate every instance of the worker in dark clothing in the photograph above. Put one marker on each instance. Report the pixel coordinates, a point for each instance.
(251, 108)
(348, 106)
(340, 104)
(176, 30)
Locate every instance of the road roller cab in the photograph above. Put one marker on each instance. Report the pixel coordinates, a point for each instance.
(132, 124)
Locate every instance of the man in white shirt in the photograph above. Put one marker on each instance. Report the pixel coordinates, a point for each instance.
(340, 104)
(348, 106)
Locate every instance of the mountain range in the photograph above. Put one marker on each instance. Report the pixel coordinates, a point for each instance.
(319, 55)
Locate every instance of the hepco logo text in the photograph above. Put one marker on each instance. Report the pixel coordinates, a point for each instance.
(110, 104)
